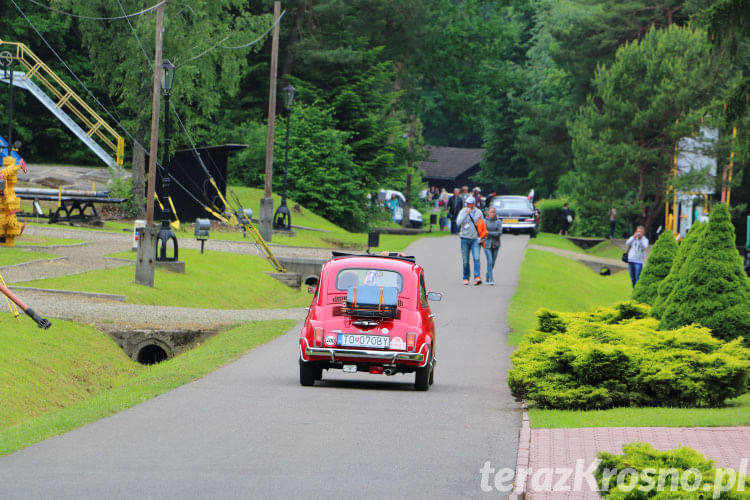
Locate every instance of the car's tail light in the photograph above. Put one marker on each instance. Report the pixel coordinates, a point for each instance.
(377, 370)
(318, 336)
(411, 341)
(530, 220)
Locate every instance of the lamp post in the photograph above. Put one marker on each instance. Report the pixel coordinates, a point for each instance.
(282, 218)
(165, 231)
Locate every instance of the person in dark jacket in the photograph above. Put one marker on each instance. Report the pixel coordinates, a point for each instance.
(454, 206)
(492, 242)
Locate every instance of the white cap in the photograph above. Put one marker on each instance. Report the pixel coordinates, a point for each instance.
(470, 199)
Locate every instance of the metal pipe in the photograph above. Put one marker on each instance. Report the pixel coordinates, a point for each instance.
(64, 192)
(41, 322)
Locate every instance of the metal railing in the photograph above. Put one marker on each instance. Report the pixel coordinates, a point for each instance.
(90, 120)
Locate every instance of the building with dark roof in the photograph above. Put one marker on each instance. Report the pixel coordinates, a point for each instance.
(447, 167)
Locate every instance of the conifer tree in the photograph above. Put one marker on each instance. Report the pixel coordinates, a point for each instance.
(712, 289)
(656, 269)
(667, 284)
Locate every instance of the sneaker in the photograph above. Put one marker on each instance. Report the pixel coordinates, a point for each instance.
(477, 280)
(490, 282)
(466, 282)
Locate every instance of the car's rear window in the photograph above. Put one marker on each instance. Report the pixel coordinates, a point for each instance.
(511, 204)
(363, 276)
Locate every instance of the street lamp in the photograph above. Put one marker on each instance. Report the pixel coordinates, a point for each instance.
(165, 231)
(282, 218)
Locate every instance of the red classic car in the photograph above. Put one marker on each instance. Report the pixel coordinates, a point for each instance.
(370, 313)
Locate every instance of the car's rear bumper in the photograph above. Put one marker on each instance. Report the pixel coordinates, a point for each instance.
(334, 354)
(518, 226)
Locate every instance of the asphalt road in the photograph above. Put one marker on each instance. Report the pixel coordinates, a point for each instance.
(249, 430)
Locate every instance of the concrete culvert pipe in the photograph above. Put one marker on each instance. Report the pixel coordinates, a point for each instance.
(311, 281)
(151, 354)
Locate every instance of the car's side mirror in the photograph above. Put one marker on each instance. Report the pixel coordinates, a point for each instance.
(434, 296)
(310, 289)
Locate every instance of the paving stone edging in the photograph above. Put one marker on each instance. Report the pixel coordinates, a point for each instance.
(524, 452)
(90, 295)
(31, 262)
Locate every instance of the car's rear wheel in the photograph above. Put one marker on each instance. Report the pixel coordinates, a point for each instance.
(307, 373)
(432, 373)
(422, 378)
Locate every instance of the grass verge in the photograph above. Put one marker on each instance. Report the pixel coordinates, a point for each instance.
(736, 413)
(558, 283)
(604, 249)
(10, 256)
(216, 280)
(134, 385)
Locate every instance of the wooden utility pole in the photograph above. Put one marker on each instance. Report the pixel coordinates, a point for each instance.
(266, 205)
(155, 116)
(144, 267)
(405, 219)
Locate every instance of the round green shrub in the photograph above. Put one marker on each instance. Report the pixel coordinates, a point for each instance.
(656, 269)
(616, 357)
(667, 284)
(666, 469)
(712, 289)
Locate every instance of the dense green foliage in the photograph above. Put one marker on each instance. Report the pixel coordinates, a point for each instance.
(566, 96)
(712, 289)
(616, 357)
(624, 136)
(668, 283)
(656, 269)
(674, 471)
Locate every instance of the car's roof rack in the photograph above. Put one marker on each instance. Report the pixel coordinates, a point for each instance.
(392, 255)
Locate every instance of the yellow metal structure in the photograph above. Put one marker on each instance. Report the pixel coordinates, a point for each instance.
(175, 223)
(91, 122)
(11, 305)
(9, 203)
(260, 243)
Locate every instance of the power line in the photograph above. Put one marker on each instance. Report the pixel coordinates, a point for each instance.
(216, 45)
(119, 124)
(126, 16)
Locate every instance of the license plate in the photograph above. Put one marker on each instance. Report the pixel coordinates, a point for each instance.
(360, 340)
(510, 220)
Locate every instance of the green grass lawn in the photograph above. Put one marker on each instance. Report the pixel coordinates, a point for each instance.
(558, 283)
(44, 241)
(14, 255)
(736, 413)
(604, 249)
(215, 280)
(56, 380)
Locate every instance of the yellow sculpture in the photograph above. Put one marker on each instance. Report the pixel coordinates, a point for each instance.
(9, 203)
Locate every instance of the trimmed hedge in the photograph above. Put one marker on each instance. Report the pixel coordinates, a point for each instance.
(712, 289)
(616, 357)
(667, 284)
(550, 213)
(656, 269)
(665, 475)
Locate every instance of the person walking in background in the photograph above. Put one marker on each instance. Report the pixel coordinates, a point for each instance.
(477, 194)
(455, 204)
(612, 217)
(443, 197)
(567, 218)
(637, 245)
(467, 221)
(492, 242)
(392, 205)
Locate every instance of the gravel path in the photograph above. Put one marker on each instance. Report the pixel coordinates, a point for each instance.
(80, 258)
